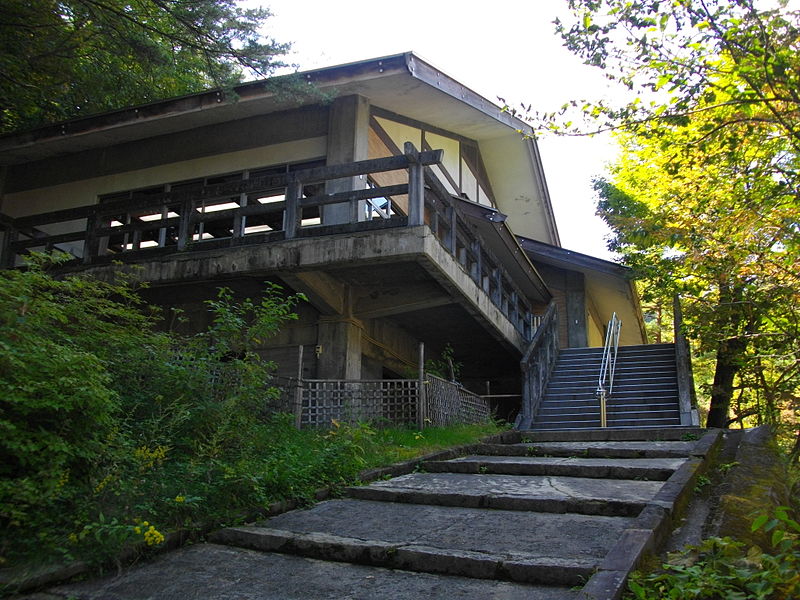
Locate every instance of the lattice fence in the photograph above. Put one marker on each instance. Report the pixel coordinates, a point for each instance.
(390, 401)
(447, 403)
(386, 401)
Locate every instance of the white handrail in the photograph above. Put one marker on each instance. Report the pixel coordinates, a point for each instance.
(608, 365)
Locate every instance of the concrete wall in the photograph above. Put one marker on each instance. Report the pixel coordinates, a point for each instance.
(576, 327)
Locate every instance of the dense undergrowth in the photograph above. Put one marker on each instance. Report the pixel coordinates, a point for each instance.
(113, 432)
(729, 569)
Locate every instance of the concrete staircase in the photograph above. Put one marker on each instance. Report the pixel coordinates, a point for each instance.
(561, 515)
(645, 390)
(535, 515)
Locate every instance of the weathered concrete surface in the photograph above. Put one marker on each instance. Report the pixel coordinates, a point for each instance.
(613, 497)
(412, 557)
(209, 571)
(593, 449)
(509, 533)
(611, 434)
(656, 469)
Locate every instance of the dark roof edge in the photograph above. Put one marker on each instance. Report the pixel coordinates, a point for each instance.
(199, 100)
(511, 243)
(374, 67)
(556, 253)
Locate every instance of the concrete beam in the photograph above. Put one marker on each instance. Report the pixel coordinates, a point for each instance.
(576, 309)
(339, 346)
(323, 291)
(372, 248)
(400, 299)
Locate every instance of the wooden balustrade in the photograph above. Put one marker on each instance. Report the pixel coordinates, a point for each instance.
(537, 365)
(179, 220)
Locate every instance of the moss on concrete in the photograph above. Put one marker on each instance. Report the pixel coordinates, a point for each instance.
(758, 484)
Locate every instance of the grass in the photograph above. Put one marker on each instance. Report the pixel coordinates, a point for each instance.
(398, 444)
(182, 492)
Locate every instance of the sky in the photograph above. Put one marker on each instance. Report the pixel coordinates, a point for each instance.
(505, 49)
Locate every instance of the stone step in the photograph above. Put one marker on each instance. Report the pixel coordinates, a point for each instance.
(590, 379)
(591, 366)
(621, 423)
(228, 572)
(625, 397)
(593, 404)
(558, 549)
(686, 435)
(587, 496)
(622, 391)
(621, 349)
(652, 469)
(616, 410)
(597, 443)
(584, 413)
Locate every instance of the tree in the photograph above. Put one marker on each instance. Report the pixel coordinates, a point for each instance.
(713, 219)
(674, 58)
(705, 198)
(66, 59)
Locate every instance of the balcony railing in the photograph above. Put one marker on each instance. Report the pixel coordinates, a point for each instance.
(271, 208)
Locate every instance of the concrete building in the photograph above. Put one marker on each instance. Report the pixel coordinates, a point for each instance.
(405, 206)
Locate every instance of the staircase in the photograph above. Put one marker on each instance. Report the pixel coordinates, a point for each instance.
(645, 390)
(525, 515)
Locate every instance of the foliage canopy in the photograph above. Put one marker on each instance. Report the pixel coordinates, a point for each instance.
(676, 58)
(704, 200)
(61, 60)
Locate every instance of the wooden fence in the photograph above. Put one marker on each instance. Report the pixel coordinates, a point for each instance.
(431, 403)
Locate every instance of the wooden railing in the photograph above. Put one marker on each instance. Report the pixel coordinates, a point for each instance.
(537, 365)
(265, 209)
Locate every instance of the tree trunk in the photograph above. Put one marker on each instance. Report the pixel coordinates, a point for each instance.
(730, 354)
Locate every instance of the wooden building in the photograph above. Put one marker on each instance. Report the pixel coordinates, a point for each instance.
(405, 206)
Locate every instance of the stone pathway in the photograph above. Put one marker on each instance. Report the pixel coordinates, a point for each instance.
(546, 515)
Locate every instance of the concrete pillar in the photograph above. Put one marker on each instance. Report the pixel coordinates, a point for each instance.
(575, 296)
(348, 141)
(339, 347)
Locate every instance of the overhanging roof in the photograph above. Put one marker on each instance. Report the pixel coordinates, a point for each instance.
(402, 83)
(608, 285)
(503, 244)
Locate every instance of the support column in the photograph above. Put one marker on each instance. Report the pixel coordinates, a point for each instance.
(339, 347)
(575, 296)
(348, 141)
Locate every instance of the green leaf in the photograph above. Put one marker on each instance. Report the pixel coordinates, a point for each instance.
(759, 522)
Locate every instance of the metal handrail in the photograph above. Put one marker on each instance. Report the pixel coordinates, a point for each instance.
(608, 365)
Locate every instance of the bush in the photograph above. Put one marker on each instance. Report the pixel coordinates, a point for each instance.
(724, 569)
(107, 423)
(112, 432)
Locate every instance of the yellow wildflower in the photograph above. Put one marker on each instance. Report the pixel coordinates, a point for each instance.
(106, 480)
(153, 537)
(180, 499)
(150, 458)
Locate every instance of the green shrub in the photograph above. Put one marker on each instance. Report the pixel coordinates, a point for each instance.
(725, 569)
(107, 423)
(112, 432)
